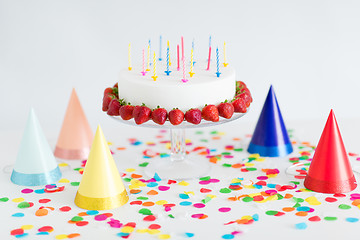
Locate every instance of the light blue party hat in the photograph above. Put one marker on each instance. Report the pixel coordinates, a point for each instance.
(35, 163)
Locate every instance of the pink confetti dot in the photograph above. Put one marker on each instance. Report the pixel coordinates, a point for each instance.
(27, 190)
(199, 205)
(163, 188)
(198, 215)
(262, 178)
(100, 217)
(214, 180)
(224, 209)
(204, 182)
(355, 196)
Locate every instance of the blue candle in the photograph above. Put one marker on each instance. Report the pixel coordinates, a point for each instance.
(167, 60)
(160, 59)
(217, 62)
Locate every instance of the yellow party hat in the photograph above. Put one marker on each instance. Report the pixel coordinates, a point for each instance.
(101, 187)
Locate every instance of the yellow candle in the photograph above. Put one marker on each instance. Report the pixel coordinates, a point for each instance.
(225, 62)
(148, 58)
(168, 45)
(129, 57)
(192, 63)
(154, 67)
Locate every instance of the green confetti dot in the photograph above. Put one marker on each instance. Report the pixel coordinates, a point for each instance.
(143, 198)
(279, 196)
(4, 199)
(226, 165)
(298, 200)
(127, 179)
(199, 132)
(206, 200)
(77, 219)
(225, 190)
(304, 157)
(247, 199)
(238, 149)
(213, 132)
(24, 205)
(271, 212)
(344, 206)
(75, 183)
(297, 205)
(77, 169)
(144, 164)
(226, 153)
(171, 216)
(251, 159)
(295, 182)
(205, 178)
(251, 169)
(330, 218)
(145, 211)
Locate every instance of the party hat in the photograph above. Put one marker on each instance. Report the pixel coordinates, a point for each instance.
(330, 170)
(75, 136)
(270, 138)
(101, 186)
(35, 163)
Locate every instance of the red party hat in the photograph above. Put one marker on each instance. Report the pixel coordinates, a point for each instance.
(330, 170)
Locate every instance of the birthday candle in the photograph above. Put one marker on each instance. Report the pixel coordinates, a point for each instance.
(192, 63)
(143, 61)
(178, 58)
(182, 47)
(168, 45)
(160, 59)
(217, 62)
(167, 60)
(184, 76)
(193, 48)
(129, 56)
(154, 67)
(148, 58)
(209, 59)
(225, 61)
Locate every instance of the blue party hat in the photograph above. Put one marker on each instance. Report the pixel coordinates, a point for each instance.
(270, 138)
(35, 163)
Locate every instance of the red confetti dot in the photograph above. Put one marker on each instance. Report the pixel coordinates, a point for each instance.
(82, 223)
(315, 219)
(45, 200)
(330, 199)
(108, 214)
(279, 214)
(18, 231)
(31, 204)
(154, 226)
(46, 229)
(205, 190)
(149, 218)
(339, 195)
(130, 224)
(136, 203)
(65, 209)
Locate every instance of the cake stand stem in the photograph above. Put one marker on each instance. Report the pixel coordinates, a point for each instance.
(178, 151)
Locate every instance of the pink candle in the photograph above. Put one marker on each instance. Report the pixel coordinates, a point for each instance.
(182, 47)
(143, 65)
(208, 66)
(184, 74)
(178, 58)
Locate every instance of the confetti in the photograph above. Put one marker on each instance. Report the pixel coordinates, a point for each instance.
(301, 226)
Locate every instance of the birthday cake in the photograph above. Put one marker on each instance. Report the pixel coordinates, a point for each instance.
(187, 91)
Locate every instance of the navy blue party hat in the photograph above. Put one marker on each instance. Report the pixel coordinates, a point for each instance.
(270, 138)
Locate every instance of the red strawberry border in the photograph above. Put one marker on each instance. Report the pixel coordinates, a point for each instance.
(114, 106)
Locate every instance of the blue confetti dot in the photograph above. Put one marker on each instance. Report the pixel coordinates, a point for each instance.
(258, 186)
(350, 219)
(92, 212)
(228, 236)
(255, 217)
(189, 235)
(303, 209)
(184, 196)
(152, 184)
(39, 191)
(18, 214)
(121, 234)
(271, 185)
(185, 203)
(156, 177)
(301, 226)
(21, 235)
(42, 233)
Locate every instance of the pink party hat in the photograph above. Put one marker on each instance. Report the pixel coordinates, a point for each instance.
(75, 137)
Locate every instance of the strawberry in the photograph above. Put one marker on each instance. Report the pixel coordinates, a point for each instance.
(210, 113)
(239, 105)
(106, 101)
(246, 97)
(226, 110)
(114, 107)
(108, 90)
(193, 116)
(141, 114)
(239, 86)
(159, 115)
(115, 85)
(126, 112)
(176, 116)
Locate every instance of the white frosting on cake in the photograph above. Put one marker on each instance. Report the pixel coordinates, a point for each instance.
(170, 92)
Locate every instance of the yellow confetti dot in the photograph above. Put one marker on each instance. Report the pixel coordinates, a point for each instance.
(150, 143)
(358, 206)
(27, 227)
(249, 164)
(63, 164)
(164, 236)
(61, 236)
(20, 199)
(190, 192)
(312, 201)
(161, 202)
(260, 159)
(110, 143)
(256, 155)
(127, 229)
(187, 141)
(236, 180)
(271, 175)
(249, 186)
(254, 194)
(272, 198)
(183, 183)
(153, 231)
(130, 170)
(247, 217)
(64, 180)
(211, 196)
(221, 133)
(142, 230)
(168, 145)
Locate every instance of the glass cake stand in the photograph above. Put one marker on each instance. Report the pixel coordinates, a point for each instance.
(179, 166)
